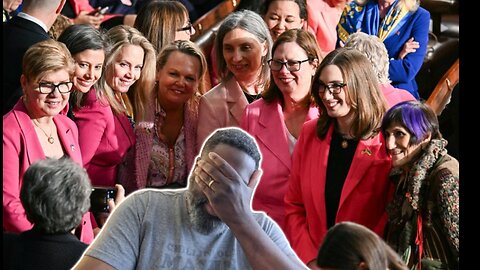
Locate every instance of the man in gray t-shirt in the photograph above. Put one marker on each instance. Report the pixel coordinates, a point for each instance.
(208, 225)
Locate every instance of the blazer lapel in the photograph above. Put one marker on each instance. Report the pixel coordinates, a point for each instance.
(236, 99)
(319, 157)
(33, 148)
(67, 139)
(272, 132)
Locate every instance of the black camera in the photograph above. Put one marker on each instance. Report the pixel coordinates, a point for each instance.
(99, 198)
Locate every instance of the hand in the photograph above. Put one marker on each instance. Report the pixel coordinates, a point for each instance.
(102, 217)
(313, 265)
(85, 18)
(229, 196)
(409, 47)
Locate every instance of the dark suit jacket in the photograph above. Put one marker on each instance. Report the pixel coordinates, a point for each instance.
(18, 35)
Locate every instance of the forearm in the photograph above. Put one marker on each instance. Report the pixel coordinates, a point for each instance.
(259, 248)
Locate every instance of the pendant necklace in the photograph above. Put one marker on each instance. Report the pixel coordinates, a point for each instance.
(50, 138)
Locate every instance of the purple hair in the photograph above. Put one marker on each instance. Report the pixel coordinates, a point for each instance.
(416, 117)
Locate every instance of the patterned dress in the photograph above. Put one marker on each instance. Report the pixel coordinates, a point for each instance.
(423, 218)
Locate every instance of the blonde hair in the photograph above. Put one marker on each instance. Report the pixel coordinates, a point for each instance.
(121, 36)
(45, 57)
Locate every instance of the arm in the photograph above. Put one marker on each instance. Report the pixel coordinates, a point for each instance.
(448, 206)
(231, 200)
(404, 70)
(296, 224)
(14, 218)
(92, 123)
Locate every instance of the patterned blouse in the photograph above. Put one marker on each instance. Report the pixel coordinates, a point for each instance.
(423, 218)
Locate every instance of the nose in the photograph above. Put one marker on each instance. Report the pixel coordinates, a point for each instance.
(390, 142)
(237, 56)
(89, 73)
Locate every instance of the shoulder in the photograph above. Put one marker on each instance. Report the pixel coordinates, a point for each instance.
(448, 165)
(216, 92)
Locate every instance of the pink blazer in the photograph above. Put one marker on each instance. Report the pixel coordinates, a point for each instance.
(323, 18)
(222, 106)
(104, 139)
(21, 148)
(264, 121)
(133, 174)
(365, 193)
(395, 95)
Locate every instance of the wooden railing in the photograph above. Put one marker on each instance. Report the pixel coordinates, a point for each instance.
(442, 93)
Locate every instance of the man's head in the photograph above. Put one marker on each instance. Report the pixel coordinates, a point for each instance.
(55, 195)
(241, 152)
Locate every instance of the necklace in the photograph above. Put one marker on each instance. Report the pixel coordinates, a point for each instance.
(50, 138)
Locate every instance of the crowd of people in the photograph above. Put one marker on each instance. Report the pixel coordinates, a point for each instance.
(313, 150)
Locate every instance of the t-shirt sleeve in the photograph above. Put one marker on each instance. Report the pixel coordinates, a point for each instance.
(118, 242)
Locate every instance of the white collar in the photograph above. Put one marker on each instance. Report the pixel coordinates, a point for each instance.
(33, 19)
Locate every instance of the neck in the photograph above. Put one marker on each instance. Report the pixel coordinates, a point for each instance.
(250, 87)
(292, 105)
(343, 127)
(170, 108)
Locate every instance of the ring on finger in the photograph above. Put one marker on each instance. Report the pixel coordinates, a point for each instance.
(211, 183)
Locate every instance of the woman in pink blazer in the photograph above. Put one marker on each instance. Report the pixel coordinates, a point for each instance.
(242, 48)
(35, 130)
(340, 167)
(275, 120)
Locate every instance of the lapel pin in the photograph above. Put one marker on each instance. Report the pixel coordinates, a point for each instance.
(366, 151)
(72, 146)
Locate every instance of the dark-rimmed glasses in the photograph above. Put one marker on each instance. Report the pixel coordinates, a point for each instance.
(290, 65)
(333, 88)
(48, 88)
(189, 29)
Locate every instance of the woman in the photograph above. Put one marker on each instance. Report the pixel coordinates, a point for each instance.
(275, 120)
(349, 245)
(35, 130)
(401, 24)
(166, 137)
(162, 22)
(282, 15)
(423, 218)
(242, 47)
(339, 170)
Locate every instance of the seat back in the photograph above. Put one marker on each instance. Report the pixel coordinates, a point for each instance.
(442, 93)
(212, 17)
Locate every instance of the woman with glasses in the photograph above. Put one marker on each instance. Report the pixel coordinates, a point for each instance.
(163, 22)
(275, 120)
(165, 146)
(242, 48)
(339, 167)
(34, 129)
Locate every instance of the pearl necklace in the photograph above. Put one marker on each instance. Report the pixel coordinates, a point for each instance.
(50, 138)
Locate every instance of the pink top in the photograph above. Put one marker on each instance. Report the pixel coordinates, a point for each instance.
(395, 95)
(21, 148)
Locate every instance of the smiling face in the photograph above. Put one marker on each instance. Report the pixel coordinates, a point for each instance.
(295, 84)
(178, 80)
(335, 104)
(126, 68)
(88, 69)
(243, 54)
(202, 214)
(399, 148)
(40, 105)
(281, 16)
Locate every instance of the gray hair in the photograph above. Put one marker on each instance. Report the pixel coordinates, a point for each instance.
(55, 194)
(252, 23)
(234, 137)
(374, 49)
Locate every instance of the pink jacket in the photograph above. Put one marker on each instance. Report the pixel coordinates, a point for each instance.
(395, 95)
(365, 193)
(21, 148)
(104, 138)
(134, 174)
(264, 121)
(220, 107)
(323, 17)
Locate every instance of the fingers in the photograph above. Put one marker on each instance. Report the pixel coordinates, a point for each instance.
(120, 193)
(255, 178)
(223, 166)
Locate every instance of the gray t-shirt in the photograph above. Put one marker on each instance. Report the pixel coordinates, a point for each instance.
(151, 229)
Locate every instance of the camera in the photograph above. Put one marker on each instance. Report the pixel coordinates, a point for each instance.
(99, 198)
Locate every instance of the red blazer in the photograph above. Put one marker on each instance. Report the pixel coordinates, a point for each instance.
(21, 148)
(104, 139)
(264, 121)
(365, 193)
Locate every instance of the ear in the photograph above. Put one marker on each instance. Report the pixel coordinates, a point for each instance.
(265, 49)
(255, 178)
(362, 266)
(314, 64)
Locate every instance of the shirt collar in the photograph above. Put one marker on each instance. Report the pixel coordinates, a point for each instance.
(33, 19)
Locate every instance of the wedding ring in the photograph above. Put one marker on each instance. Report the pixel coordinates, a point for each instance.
(210, 183)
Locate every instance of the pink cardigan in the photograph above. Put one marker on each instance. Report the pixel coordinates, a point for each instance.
(21, 148)
(104, 138)
(365, 193)
(264, 121)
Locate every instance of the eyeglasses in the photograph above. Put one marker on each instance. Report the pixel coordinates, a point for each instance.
(333, 88)
(291, 65)
(189, 29)
(48, 88)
